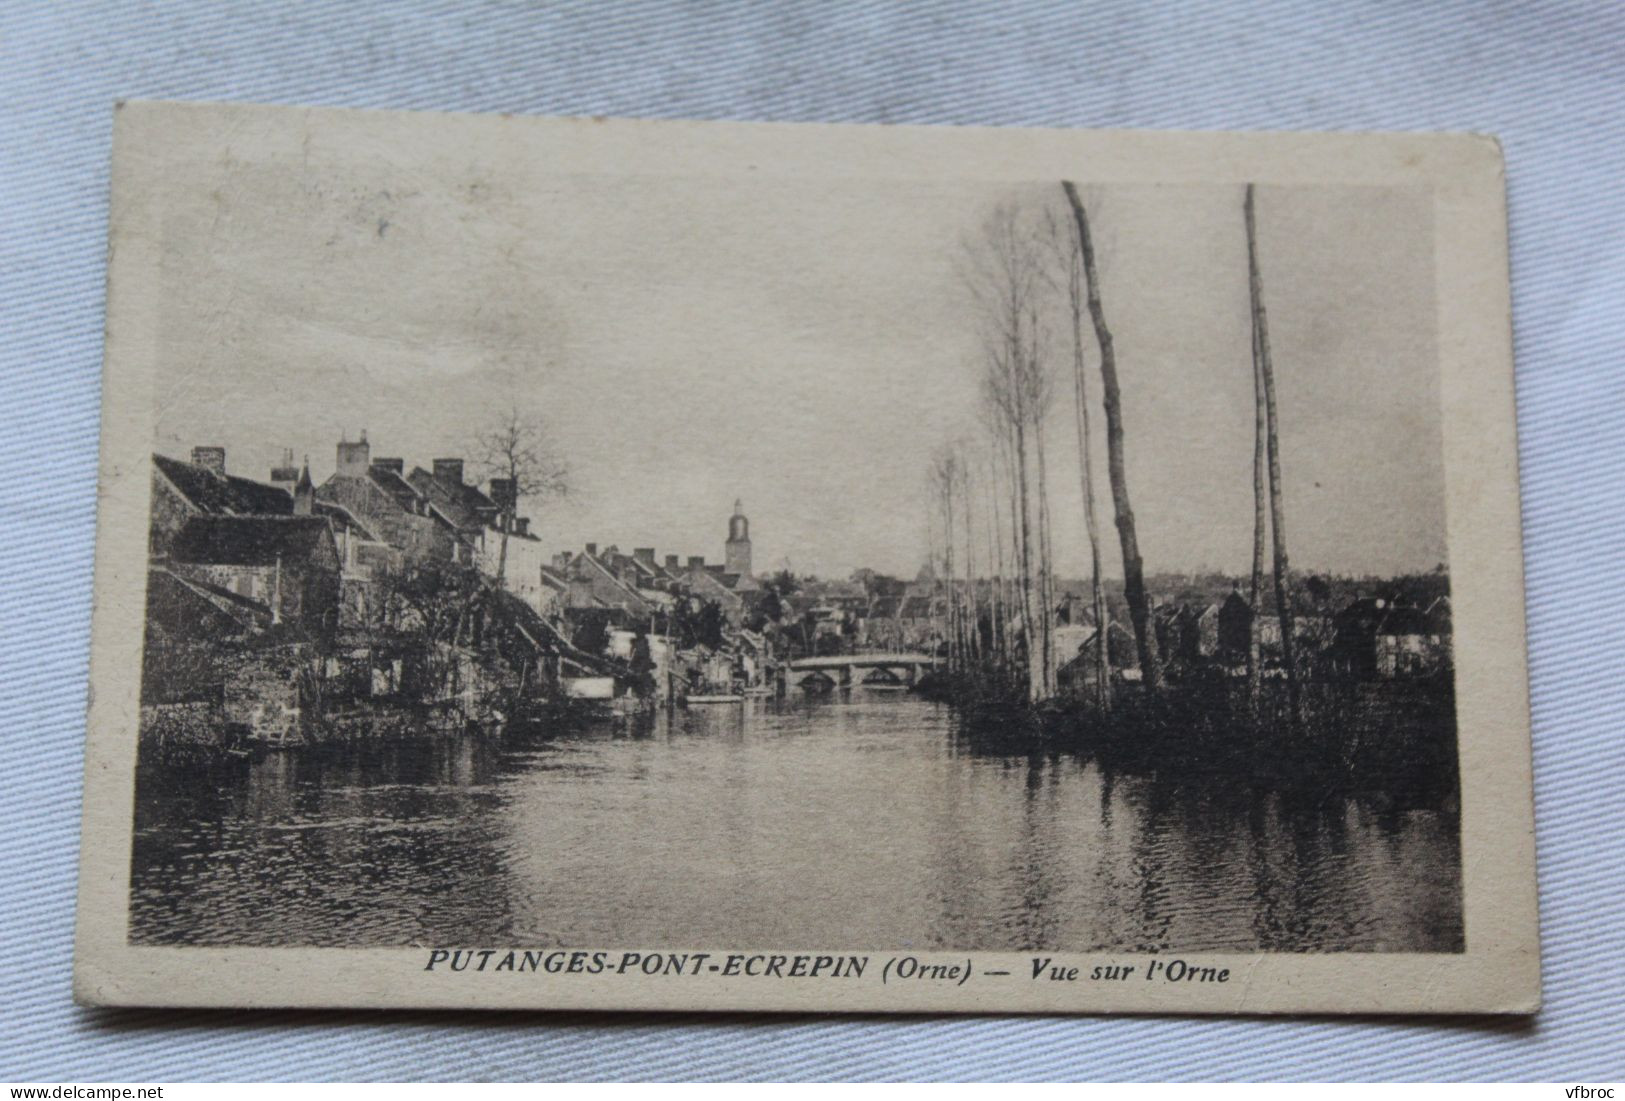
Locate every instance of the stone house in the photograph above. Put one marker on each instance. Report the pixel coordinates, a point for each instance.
(183, 491)
(1378, 640)
(289, 565)
(593, 584)
(1235, 627)
(478, 517)
(374, 492)
(717, 586)
(1075, 676)
(1199, 632)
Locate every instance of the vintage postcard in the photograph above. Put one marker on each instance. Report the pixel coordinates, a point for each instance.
(591, 563)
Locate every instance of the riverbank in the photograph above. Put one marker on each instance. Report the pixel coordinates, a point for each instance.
(1391, 739)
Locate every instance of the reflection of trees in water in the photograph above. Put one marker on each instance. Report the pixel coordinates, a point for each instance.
(1219, 866)
(459, 838)
(954, 894)
(1036, 918)
(1147, 863)
(1202, 856)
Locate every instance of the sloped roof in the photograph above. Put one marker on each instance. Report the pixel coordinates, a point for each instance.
(1111, 626)
(396, 486)
(1363, 614)
(887, 585)
(916, 607)
(223, 494)
(647, 569)
(847, 590)
(599, 566)
(250, 540)
(464, 505)
(343, 518)
(200, 609)
(1405, 621)
(712, 580)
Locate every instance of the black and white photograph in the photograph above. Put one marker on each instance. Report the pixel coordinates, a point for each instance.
(783, 574)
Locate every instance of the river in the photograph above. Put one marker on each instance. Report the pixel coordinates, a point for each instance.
(860, 820)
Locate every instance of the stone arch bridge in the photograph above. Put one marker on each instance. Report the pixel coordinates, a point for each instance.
(846, 670)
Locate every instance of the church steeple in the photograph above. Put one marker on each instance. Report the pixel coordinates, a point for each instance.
(737, 556)
(304, 492)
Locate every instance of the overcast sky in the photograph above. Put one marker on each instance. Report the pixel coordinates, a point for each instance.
(803, 345)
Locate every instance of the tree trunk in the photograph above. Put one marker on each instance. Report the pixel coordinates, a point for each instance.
(1086, 478)
(1266, 373)
(1139, 607)
(995, 558)
(1034, 672)
(973, 640)
(948, 566)
(1260, 522)
(502, 553)
(1013, 589)
(1001, 611)
(1046, 566)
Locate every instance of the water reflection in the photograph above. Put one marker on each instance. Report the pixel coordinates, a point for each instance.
(863, 821)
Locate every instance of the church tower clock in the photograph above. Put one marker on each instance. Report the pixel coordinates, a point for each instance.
(738, 550)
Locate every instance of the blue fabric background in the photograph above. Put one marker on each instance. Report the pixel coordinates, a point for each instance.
(1549, 79)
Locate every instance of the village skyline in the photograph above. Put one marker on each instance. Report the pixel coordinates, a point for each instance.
(683, 363)
(770, 559)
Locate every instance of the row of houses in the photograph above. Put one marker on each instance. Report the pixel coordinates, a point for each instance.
(1367, 638)
(230, 555)
(1370, 638)
(636, 588)
(621, 598)
(288, 551)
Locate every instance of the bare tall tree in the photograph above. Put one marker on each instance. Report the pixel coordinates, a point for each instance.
(945, 478)
(1139, 606)
(1260, 522)
(973, 637)
(1006, 278)
(995, 560)
(518, 449)
(1046, 556)
(1266, 374)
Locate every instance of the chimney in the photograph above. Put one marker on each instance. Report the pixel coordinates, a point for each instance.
(561, 560)
(502, 493)
(696, 561)
(646, 555)
(213, 458)
(285, 474)
(592, 550)
(672, 562)
(394, 465)
(352, 457)
(449, 471)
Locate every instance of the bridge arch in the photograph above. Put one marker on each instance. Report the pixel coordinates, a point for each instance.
(857, 669)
